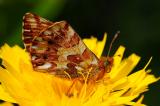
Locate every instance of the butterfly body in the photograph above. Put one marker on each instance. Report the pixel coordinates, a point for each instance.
(56, 48)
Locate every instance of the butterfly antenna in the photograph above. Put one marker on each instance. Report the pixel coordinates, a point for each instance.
(113, 40)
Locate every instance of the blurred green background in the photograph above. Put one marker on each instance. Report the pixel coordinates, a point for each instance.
(138, 21)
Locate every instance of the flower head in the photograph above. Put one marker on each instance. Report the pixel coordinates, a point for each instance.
(22, 85)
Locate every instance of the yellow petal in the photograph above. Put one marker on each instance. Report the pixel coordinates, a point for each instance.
(138, 103)
(125, 67)
(5, 96)
(6, 104)
(96, 46)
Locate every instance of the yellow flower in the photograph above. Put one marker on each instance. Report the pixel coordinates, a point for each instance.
(22, 85)
(6, 104)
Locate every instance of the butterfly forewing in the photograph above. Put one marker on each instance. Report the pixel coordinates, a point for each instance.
(56, 48)
(32, 26)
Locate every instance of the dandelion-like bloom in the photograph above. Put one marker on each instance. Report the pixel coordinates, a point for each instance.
(22, 85)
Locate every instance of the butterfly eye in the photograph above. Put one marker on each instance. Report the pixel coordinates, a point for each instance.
(106, 63)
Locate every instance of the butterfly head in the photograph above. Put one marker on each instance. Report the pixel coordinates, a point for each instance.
(106, 63)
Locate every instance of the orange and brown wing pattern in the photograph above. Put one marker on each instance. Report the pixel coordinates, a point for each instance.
(32, 26)
(56, 48)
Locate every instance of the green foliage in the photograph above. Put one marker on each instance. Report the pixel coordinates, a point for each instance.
(10, 30)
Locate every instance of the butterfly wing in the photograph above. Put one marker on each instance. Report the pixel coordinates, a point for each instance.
(56, 48)
(32, 26)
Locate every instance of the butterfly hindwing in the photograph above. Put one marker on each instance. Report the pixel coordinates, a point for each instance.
(56, 48)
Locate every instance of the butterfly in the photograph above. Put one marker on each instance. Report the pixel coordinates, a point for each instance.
(57, 49)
